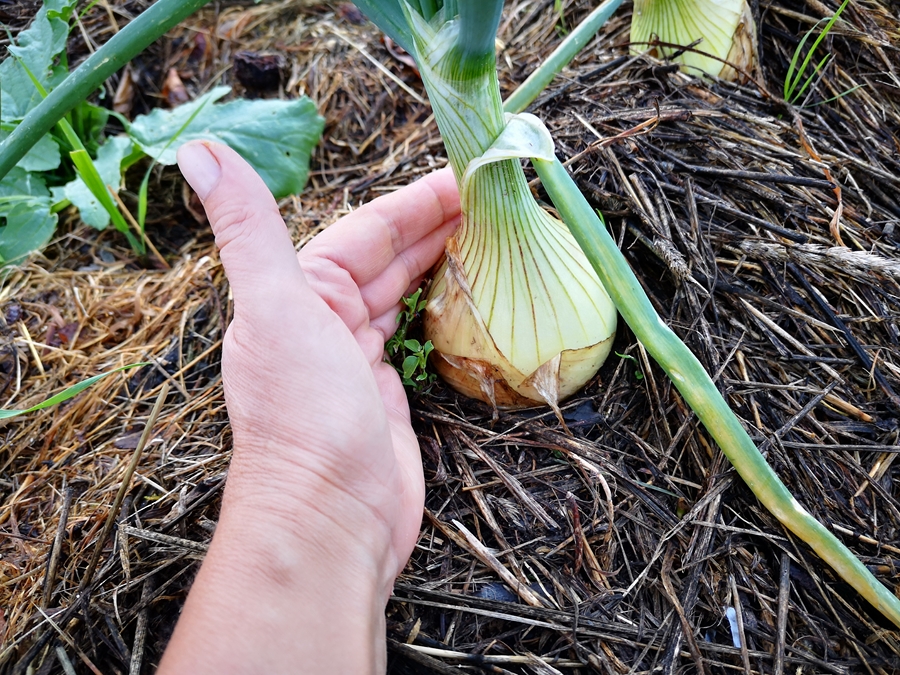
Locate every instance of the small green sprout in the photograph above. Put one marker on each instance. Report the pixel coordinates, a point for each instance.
(638, 375)
(413, 366)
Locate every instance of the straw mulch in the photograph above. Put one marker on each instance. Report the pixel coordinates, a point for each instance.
(636, 547)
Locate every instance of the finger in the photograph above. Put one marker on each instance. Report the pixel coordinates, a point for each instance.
(407, 455)
(253, 241)
(382, 292)
(386, 324)
(367, 241)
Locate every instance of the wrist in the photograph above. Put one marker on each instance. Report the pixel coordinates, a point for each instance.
(296, 578)
(325, 533)
(309, 496)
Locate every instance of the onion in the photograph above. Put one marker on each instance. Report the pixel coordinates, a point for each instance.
(516, 314)
(725, 29)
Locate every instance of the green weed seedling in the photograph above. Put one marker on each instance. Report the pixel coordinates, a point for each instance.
(412, 368)
(638, 375)
(414, 373)
(560, 10)
(793, 89)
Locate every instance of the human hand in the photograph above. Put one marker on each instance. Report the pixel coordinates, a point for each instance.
(325, 484)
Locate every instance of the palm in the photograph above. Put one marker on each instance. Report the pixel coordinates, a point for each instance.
(302, 359)
(360, 267)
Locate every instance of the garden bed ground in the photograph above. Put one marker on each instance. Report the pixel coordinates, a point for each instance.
(787, 290)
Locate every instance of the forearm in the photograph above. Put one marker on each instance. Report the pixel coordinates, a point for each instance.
(275, 597)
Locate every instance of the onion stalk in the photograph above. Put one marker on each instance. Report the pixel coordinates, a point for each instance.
(724, 29)
(699, 391)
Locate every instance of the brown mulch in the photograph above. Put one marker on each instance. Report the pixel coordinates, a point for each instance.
(633, 536)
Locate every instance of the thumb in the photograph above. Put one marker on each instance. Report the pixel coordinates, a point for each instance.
(253, 241)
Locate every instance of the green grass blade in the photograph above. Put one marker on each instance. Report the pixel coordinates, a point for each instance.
(809, 55)
(145, 183)
(789, 79)
(91, 177)
(121, 48)
(575, 41)
(836, 97)
(66, 394)
(698, 389)
(87, 9)
(142, 200)
(809, 79)
(64, 125)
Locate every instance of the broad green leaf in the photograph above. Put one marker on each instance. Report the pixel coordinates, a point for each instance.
(275, 137)
(21, 182)
(108, 163)
(26, 223)
(66, 394)
(410, 363)
(37, 47)
(43, 156)
(29, 226)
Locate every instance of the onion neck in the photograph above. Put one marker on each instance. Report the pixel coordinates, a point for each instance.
(458, 65)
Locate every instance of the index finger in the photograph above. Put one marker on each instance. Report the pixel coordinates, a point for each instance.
(366, 241)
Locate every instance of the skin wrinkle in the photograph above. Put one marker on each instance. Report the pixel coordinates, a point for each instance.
(236, 228)
(322, 275)
(280, 571)
(318, 497)
(386, 324)
(327, 495)
(324, 503)
(335, 286)
(371, 341)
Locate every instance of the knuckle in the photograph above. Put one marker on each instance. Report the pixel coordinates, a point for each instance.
(236, 224)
